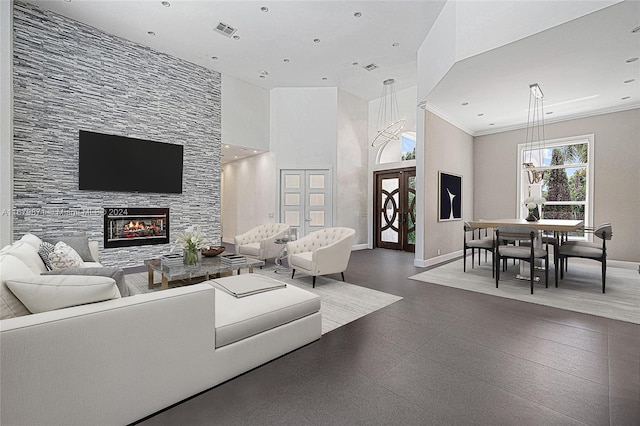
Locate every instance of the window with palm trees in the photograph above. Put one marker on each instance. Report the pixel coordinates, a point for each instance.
(567, 181)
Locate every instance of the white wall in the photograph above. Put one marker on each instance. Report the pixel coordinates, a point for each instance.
(352, 167)
(446, 149)
(6, 121)
(304, 127)
(245, 114)
(407, 100)
(467, 28)
(309, 128)
(616, 174)
(248, 194)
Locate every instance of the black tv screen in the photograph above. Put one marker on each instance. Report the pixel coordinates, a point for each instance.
(118, 163)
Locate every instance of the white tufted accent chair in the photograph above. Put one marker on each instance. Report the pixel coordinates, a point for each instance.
(259, 242)
(322, 252)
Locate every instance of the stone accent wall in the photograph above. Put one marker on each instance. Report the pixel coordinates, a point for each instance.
(69, 77)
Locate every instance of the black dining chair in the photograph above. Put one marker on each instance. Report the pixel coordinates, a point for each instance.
(485, 243)
(524, 252)
(587, 250)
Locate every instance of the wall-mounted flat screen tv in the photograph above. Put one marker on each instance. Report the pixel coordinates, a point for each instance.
(118, 163)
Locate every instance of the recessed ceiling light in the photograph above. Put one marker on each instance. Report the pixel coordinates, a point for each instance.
(166, 4)
(480, 115)
(255, 151)
(215, 58)
(630, 80)
(324, 78)
(492, 124)
(68, 1)
(636, 30)
(151, 33)
(625, 98)
(286, 60)
(357, 14)
(464, 103)
(396, 44)
(262, 76)
(236, 37)
(264, 9)
(549, 112)
(354, 64)
(316, 40)
(631, 60)
(226, 146)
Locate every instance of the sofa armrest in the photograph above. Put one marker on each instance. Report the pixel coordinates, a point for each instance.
(126, 349)
(269, 248)
(94, 250)
(332, 258)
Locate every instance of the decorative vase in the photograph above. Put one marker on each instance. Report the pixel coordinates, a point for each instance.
(534, 215)
(191, 257)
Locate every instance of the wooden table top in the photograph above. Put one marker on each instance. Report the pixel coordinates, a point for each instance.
(559, 225)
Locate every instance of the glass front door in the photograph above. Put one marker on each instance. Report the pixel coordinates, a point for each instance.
(395, 209)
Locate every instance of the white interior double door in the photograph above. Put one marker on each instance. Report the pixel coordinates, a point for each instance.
(306, 201)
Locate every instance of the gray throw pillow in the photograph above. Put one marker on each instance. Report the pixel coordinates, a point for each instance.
(44, 251)
(116, 273)
(80, 243)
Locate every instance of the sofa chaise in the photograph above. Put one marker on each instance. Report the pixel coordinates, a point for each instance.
(119, 360)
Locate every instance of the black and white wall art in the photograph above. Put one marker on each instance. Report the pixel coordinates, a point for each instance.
(450, 196)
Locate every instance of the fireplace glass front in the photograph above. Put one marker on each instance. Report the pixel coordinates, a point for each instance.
(124, 227)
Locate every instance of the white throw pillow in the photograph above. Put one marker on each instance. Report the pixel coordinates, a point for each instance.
(64, 256)
(11, 267)
(48, 292)
(31, 239)
(28, 255)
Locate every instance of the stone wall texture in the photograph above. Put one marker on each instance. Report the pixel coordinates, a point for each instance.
(70, 77)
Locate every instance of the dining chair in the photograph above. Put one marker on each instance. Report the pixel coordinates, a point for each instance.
(528, 252)
(485, 243)
(587, 250)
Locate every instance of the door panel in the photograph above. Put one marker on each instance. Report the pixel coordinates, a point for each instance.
(306, 199)
(395, 204)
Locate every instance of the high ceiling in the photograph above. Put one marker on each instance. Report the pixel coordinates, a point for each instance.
(581, 66)
(286, 31)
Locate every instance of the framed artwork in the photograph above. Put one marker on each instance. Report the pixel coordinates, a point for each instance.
(450, 196)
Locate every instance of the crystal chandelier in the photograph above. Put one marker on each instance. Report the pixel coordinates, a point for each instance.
(389, 124)
(535, 133)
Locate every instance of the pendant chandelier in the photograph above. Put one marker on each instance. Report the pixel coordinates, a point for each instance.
(389, 124)
(535, 133)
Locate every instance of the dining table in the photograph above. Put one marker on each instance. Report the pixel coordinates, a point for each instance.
(559, 227)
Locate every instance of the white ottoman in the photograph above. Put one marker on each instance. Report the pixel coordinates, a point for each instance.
(237, 318)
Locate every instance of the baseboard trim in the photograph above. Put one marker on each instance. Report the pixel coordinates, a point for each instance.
(425, 263)
(360, 247)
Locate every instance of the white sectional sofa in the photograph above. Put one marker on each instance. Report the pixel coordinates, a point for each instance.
(120, 360)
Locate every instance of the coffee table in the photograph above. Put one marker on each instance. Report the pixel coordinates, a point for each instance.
(207, 268)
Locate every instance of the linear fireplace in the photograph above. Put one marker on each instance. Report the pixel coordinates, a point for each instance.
(124, 227)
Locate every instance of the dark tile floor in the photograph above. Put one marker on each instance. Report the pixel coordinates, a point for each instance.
(440, 356)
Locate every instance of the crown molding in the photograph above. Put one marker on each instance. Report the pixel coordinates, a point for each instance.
(435, 110)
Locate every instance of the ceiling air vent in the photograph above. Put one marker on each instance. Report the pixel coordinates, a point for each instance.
(225, 29)
(370, 67)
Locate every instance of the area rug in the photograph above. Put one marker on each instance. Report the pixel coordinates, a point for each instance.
(579, 291)
(340, 303)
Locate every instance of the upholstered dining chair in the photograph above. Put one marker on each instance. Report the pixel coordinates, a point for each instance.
(587, 250)
(480, 243)
(528, 252)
